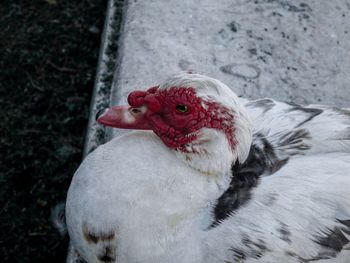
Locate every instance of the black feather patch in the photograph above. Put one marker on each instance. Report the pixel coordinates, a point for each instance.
(295, 139)
(265, 104)
(261, 160)
(107, 255)
(284, 232)
(311, 113)
(105, 242)
(335, 239)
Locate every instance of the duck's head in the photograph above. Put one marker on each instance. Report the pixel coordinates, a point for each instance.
(198, 117)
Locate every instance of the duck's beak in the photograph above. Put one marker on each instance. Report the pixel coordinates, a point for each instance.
(125, 117)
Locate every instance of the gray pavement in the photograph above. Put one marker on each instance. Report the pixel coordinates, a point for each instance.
(295, 51)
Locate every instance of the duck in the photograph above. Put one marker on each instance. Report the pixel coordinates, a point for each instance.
(205, 176)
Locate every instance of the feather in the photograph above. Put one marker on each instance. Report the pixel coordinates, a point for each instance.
(277, 189)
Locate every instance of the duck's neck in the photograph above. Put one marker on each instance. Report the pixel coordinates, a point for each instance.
(211, 153)
(176, 209)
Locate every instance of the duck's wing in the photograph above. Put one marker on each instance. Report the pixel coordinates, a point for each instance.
(293, 129)
(300, 213)
(281, 131)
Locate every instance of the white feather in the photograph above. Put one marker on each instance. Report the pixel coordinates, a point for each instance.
(158, 202)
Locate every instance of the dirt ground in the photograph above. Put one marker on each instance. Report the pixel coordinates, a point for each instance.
(48, 57)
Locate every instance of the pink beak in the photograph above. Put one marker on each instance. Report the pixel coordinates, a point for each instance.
(125, 117)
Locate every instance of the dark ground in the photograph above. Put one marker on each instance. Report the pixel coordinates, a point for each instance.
(48, 58)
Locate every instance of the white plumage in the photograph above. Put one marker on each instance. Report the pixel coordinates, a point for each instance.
(136, 200)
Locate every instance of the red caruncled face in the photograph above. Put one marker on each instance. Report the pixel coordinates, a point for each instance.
(176, 115)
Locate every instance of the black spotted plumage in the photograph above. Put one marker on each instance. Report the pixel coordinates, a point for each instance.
(261, 159)
(334, 240)
(269, 152)
(261, 216)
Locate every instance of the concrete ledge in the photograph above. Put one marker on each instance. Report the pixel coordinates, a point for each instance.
(107, 62)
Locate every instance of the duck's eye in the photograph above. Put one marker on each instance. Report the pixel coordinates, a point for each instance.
(181, 108)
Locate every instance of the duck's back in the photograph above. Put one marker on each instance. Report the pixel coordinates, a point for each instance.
(301, 213)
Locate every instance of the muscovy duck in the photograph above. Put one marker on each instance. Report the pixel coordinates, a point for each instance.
(213, 182)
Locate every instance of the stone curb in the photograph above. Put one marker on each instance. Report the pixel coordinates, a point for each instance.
(95, 134)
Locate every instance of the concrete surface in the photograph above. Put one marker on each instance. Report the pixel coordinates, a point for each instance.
(289, 50)
(104, 74)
